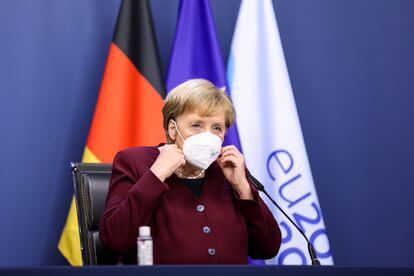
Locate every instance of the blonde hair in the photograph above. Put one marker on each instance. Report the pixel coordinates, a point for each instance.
(197, 95)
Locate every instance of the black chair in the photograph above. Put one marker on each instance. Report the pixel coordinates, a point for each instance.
(91, 182)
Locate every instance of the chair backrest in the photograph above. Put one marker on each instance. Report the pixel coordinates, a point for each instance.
(91, 182)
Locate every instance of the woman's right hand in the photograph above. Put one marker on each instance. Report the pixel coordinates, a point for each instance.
(171, 157)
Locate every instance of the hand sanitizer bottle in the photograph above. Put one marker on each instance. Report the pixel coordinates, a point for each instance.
(144, 246)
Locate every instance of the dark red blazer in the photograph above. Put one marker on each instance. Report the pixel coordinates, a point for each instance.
(217, 228)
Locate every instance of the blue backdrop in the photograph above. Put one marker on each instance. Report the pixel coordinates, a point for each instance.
(351, 66)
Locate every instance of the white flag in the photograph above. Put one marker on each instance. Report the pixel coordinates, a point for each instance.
(270, 132)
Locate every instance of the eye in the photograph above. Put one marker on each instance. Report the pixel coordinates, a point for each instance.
(196, 126)
(217, 129)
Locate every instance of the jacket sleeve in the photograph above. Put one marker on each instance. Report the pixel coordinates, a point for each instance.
(130, 202)
(263, 230)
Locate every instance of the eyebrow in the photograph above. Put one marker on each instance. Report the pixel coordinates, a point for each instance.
(218, 124)
(200, 121)
(196, 121)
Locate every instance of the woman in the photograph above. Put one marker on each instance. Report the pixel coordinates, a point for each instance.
(192, 192)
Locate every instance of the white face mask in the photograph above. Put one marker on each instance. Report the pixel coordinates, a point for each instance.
(202, 149)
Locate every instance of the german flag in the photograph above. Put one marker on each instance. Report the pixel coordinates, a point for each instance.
(128, 111)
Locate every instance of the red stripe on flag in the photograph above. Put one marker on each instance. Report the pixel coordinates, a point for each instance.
(128, 112)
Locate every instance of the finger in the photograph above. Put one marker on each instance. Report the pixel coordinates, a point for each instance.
(172, 146)
(230, 149)
(182, 160)
(178, 150)
(226, 148)
(233, 153)
(180, 154)
(230, 159)
(226, 155)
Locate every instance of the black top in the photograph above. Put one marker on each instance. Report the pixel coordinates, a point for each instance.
(195, 186)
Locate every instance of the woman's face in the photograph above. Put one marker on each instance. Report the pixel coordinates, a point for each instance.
(192, 123)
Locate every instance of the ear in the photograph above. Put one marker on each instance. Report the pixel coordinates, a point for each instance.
(172, 131)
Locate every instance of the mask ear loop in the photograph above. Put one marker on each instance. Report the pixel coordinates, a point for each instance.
(176, 127)
(179, 134)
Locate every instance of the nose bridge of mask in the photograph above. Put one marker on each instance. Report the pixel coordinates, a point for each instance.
(209, 137)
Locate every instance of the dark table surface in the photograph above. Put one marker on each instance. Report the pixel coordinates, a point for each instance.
(203, 270)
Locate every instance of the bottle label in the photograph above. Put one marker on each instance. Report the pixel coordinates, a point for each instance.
(145, 252)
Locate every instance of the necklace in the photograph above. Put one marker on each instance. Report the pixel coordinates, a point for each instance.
(179, 174)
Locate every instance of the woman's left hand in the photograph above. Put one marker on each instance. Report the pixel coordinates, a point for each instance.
(231, 162)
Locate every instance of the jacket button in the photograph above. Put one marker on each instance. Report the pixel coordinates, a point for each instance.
(211, 251)
(206, 229)
(200, 208)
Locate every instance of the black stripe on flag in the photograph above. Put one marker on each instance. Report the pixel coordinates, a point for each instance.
(134, 35)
